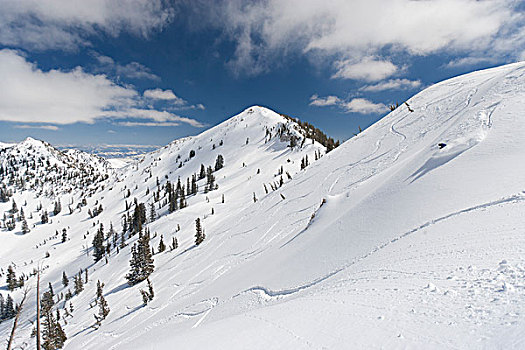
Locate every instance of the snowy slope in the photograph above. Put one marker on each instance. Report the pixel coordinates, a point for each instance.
(389, 241)
(416, 246)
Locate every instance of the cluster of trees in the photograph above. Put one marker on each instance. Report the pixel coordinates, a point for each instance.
(304, 162)
(12, 281)
(5, 193)
(7, 308)
(141, 263)
(313, 133)
(53, 336)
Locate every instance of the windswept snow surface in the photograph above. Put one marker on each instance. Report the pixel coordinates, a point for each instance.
(389, 241)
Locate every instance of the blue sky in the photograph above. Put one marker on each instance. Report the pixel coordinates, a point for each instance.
(147, 72)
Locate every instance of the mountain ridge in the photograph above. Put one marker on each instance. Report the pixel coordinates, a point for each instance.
(394, 239)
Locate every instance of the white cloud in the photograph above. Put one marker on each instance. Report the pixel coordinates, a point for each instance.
(132, 70)
(168, 95)
(152, 114)
(467, 61)
(159, 94)
(356, 105)
(44, 127)
(364, 106)
(392, 84)
(369, 69)
(57, 24)
(30, 95)
(315, 100)
(350, 31)
(148, 124)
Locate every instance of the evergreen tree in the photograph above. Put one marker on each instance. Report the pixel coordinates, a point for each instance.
(78, 283)
(174, 244)
(58, 207)
(152, 214)
(103, 308)
(53, 336)
(202, 173)
(219, 162)
(11, 280)
(162, 246)
(65, 280)
(46, 302)
(148, 295)
(44, 218)
(64, 235)
(98, 244)
(9, 309)
(194, 186)
(25, 227)
(210, 184)
(141, 263)
(199, 234)
(182, 199)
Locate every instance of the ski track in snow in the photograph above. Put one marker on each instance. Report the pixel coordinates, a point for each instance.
(278, 294)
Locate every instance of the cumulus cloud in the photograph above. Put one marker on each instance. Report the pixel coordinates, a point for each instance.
(369, 69)
(315, 100)
(349, 32)
(31, 95)
(56, 24)
(168, 95)
(356, 105)
(392, 84)
(133, 70)
(364, 106)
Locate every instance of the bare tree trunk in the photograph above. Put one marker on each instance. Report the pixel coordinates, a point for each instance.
(15, 323)
(38, 310)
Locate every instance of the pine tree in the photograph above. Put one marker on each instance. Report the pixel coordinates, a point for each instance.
(103, 308)
(14, 208)
(58, 207)
(65, 280)
(53, 335)
(174, 244)
(25, 227)
(44, 218)
(162, 246)
(11, 280)
(134, 264)
(2, 307)
(98, 244)
(64, 235)
(141, 263)
(202, 173)
(194, 186)
(219, 162)
(152, 214)
(46, 302)
(210, 184)
(148, 295)
(199, 234)
(78, 283)
(182, 199)
(9, 309)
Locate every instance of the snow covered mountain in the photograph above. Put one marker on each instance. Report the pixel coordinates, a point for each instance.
(409, 235)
